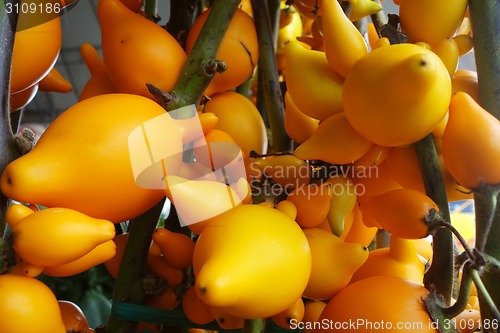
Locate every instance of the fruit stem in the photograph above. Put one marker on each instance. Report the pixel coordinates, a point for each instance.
(9, 151)
(441, 274)
(151, 10)
(485, 22)
(254, 326)
(194, 78)
(487, 300)
(269, 78)
(128, 285)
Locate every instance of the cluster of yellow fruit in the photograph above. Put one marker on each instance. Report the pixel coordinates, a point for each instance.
(355, 109)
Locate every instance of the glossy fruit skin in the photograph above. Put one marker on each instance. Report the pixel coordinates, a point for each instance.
(430, 22)
(35, 53)
(239, 50)
(312, 202)
(240, 118)
(308, 74)
(334, 141)
(98, 255)
(209, 197)
(472, 158)
(287, 170)
(333, 263)
(73, 317)
(39, 311)
(400, 259)
(99, 82)
(394, 78)
(344, 44)
(177, 248)
(251, 240)
(391, 301)
(294, 313)
(137, 51)
(194, 309)
(113, 264)
(62, 228)
(298, 125)
(54, 81)
(401, 212)
(93, 181)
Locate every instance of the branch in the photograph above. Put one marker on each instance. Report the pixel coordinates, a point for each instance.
(9, 151)
(268, 77)
(198, 69)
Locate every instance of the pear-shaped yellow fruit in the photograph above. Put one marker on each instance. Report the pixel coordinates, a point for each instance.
(314, 86)
(252, 261)
(397, 94)
(334, 141)
(333, 263)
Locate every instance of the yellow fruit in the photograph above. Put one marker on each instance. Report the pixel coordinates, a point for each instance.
(256, 241)
(62, 228)
(430, 21)
(240, 118)
(400, 259)
(471, 157)
(333, 263)
(308, 74)
(298, 125)
(196, 201)
(379, 304)
(447, 50)
(28, 305)
(95, 176)
(397, 94)
(334, 141)
(344, 44)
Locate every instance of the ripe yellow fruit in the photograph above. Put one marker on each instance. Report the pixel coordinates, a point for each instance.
(333, 263)
(397, 94)
(431, 21)
(251, 241)
(308, 74)
(28, 305)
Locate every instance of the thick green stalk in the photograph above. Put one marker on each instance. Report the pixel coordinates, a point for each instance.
(441, 275)
(254, 326)
(485, 21)
(268, 76)
(202, 64)
(129, 284)
(151, 10)
(9, 151)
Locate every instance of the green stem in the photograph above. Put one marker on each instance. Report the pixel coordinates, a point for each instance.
(463, 295)
(485, 22)
(9, 150)
(268, 76)
(441, 275)
(488, 301)
(199, 67)
(151, 10)
(128, 286)
(254, 326)
(485, 204)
